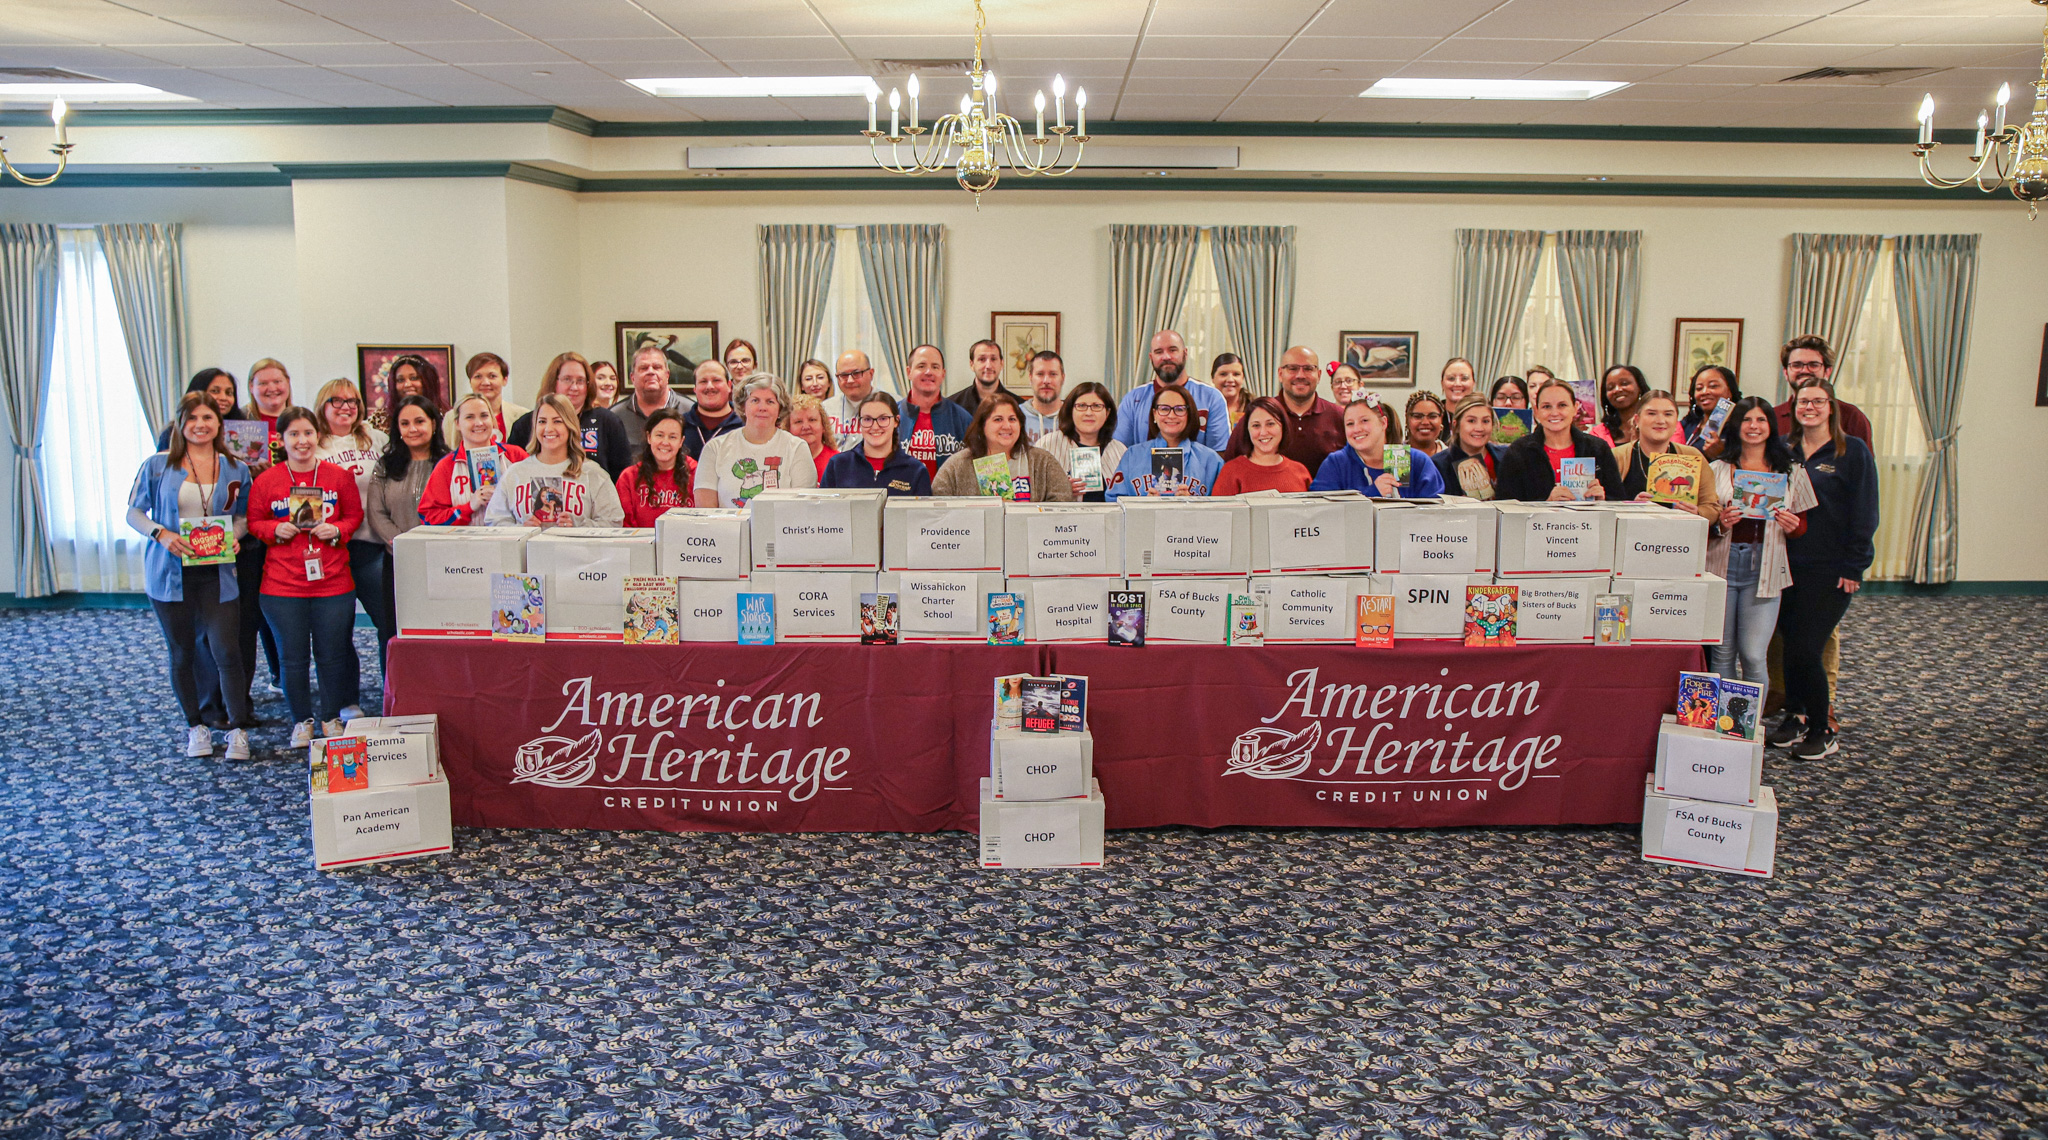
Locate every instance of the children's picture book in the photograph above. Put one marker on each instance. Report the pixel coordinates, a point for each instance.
(653, 611)
(1490, 615)
(547, 499)
(1375, 625)
(1717, 417)
(1398, 460)
(1699, 699)
(212, 539)
(1169, 465)
(518, 608)
(756, 619)
(1009, 698)
(347, 759)
(1511, 424)
(1127, 617)
(1474, 479)
(1005, 619)
(1041, 704)
(1760, 493)
(1740, 709)
(305, 508)
(483, 465)
(1073, 702)
(1085, 464)
(992, 476)
(1610, 618)
(1588, 392)
(1675, 478)
(879, 624)
(1246, 624)
(246, 440)
(1576, 474)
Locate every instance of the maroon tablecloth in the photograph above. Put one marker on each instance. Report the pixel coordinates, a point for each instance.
(868, 738)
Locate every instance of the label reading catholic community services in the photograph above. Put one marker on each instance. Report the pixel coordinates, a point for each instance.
(1708, 833)
(377, 823)
(1565, 541)
(1440, 545)
(812, 533)
(1305, 538)
(461, 574)
(948, 540)
(940, 603)
(1301, 609)
(1067, 543)
(1191, 541)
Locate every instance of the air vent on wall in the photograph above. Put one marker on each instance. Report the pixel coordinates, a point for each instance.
(925, 66)
(47, 73)
(1860, 76)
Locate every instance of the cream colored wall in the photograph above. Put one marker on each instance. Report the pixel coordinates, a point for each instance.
(542, 249)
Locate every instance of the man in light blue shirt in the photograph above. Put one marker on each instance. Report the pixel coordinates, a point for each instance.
(1169, 365)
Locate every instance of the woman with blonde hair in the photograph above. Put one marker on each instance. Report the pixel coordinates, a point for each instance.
(350, 444)
(557, 485)
(808, 422)
(603, 436)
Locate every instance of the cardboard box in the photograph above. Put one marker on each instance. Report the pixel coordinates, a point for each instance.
(1040, 765)
(1187, 538)
(815, 607)
(402, 749)
(1063, 540)
(1701, 833)
(1701, 764)
(1311, 532)
(442, 576)
(1428, 606)
(1659, 543)
(709, 610)
(1421, 537)
(1681, 611)
(709, 543)
(1556, 609)
(818, 530)
(1059, 833)
(376, 825)
(1541, 540)
(940, 605)
(949, 533)
(1066, 609)
(1304, 609)
(583, 574)
(1192, 611)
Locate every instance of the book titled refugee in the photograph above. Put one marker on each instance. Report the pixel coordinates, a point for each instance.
(1005, 619)
(1375, 622)
(1126, 617)
(878, 621)
(756, 619)
(1041, 708)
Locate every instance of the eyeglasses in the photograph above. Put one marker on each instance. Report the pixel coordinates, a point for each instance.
(1170, 410)
(1818, 402)
(344, 401)
(876, 421)
(1806, 366)
(855, 374)
(1091, 406)
(1298, 369)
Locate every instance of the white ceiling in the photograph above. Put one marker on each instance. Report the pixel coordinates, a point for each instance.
(1691, 62)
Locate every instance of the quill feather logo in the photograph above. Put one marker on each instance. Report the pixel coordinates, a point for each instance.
(1272, 753)
(557, 761)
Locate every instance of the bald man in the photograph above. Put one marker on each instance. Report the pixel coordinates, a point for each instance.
(1169, 355)
(1318, 424)
(856, 379)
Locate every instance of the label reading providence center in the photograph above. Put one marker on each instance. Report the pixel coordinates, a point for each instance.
(813, 533)
(377, 823)
(1708, 833)
(1440, 543)
(947, 540)
(1066, 543)
(1562, 541)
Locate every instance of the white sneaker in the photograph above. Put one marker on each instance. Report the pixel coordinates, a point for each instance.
(302, 733)
(238, 744)
(198, 741)
(350, 713)
(333, 728)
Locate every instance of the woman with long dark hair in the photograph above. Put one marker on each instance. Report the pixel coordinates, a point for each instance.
(660, 479)
(219, 386)
(1622, 389)
(998, 429)
(1257, 457)
(1711, 384)
(1749, 550)
(391, 499)
(1531, 466)
(1087, 419)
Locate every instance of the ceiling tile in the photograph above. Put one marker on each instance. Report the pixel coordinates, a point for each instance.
(736, 17)
(918, 47)
(1569, 69)
(1229, 17)
(209, 55)
(1183, 85)
(1582, 19)
(1324, 87)
(2014, 30)
(466, 52)
(544, 19)
(365, 53)
(1436, 18)
(1447, 69)
(1803, 9)
(1950, 55)
(1359, 71)
(88, 58)
(1241, 68)
(739, 50)
(1950, 9)
(1358, 47)
(520, 73)
(640, 49)
(99, 23)
(1064, 47)
(1261, 108)
(1685, 25)
(402, 21)
(1647, 52)
(1261, 48)
(252, 21)
(1788, 58)
(1467, 50)
(1133, 110)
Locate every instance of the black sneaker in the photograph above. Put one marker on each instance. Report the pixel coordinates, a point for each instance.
(1816, 746)
(1790, 729)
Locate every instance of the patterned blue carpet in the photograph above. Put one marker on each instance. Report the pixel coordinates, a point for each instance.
(171, 966)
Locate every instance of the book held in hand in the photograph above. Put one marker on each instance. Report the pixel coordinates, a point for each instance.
(1398, 460)
(1474, 479)
(1511, 424)
(1490, 615)
(1374, 628)
(1610, 618)
(1041, 704)
(1245, 621)
(1169, 466)
(1699, 699)
(212, 539)
(879, 624)
(653, 611)
(1675, 478)
(1126, 617)
(1085, 464)
(246, 440)
(1759, 494)
(1073, 702)
(518, 608)
(304, 508)
(1576, 475)
(1717, 417)
(1009, 700)
(756, 619)
(483, 466)
(545, 492)
(992, 476)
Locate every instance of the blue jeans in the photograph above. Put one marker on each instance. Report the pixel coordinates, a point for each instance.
(366, 564)
(1747, 626)
(314, 631)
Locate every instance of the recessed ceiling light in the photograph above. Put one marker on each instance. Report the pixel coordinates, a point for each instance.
(91, 93)
(759, 87)
(1490, 89)
(1597, 178)
(1327, 70)
(543, 73)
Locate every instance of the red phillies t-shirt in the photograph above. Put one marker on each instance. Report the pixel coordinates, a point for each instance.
(924, 442)
(877, 464)
(1557, 457)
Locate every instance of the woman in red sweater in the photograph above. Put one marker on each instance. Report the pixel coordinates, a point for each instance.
(1256, 459)
(664, 474)
(462, 483)
(304, 510)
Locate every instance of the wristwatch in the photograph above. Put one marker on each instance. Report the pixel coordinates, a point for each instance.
(156, 533)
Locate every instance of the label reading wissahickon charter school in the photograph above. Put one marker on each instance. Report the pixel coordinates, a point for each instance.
(1067, 544)
(941, 603)
(1708, 833)
(1562, 542)
(948, 540)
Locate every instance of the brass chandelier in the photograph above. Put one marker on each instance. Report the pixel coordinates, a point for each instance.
(62, 149)
(2010, 155)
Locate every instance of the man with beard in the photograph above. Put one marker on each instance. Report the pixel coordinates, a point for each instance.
(1318, 424)
(1169, 368)
(985, 359)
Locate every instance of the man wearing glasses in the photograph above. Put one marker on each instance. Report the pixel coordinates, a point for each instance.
(1169, 367)
(1318, 423)
(1805, 360)
(856, 379)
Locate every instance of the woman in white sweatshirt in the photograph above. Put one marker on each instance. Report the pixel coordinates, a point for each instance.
(556, 485)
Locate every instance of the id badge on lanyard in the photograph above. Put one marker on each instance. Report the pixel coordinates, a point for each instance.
(316, 569)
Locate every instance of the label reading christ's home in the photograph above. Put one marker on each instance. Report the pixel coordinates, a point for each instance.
(460, 572)
(1439, 542)
(1713, 834)
(812, 533)
(946, 540)
(1062, 543)
(377, 822)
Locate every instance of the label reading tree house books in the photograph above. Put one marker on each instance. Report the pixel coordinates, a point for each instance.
(1440, 543)
(948, 540)
(1306, 538)
(811, 533)
(1562, 543)
(1067, 544)
(1708, 833)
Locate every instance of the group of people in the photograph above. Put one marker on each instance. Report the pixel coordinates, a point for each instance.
(315, 513)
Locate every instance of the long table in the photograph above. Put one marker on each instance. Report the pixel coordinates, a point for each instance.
(896, 738)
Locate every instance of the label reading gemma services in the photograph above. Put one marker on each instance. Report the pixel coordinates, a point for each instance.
(948, 540)
(1066, 543)
(1708, 833)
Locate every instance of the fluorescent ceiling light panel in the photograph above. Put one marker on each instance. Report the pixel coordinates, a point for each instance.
(1490, 89)
(759, 87)
(91, 93)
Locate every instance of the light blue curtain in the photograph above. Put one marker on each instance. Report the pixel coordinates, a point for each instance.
(1149, 270)
(28, 325)
(146, 267)
(1490, 284)
(1830, 280)
(1255, 275)
(796, 274)
(1936, 276)
(905, 270)
(1599, 273)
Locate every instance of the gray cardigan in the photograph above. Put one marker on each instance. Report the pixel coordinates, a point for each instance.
(1049, 481)
(392, 507)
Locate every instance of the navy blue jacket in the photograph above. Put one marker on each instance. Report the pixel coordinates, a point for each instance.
(950, 422)
(1841, 526)
(695, 436)
(900, 475)
(1448, 459)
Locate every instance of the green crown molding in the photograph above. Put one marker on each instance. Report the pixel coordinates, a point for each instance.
(516, 171)
(152, 180)
(301, 117)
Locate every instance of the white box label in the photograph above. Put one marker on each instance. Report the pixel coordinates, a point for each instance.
(812, 533)
(1191, 541)
(595, 577)
(461, 575)
(709, 611)
(1041, 767)
(377, 822)
(940, 603)
(1067, 544)
(1673, 611)
(397, 757)
(819, 604)
(1556, 611)
(701, 547)
(1709, 833)
(1041, 835)
(1305, 537)
(1652, 547)
(948, 540)
(1566, 542)
(1430, 605)
(1306, 609)
(1064, 610)
(1704, 769)
(1446, 544)
(1191, 611)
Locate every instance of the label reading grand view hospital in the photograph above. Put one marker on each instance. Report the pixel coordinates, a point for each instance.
(1067, 544)
(947, 540)
(1191, 541)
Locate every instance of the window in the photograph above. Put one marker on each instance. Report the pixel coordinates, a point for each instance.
(1201, 322)
(849, 318)
(1871, 374)
(93, 432)
(1543, 337)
